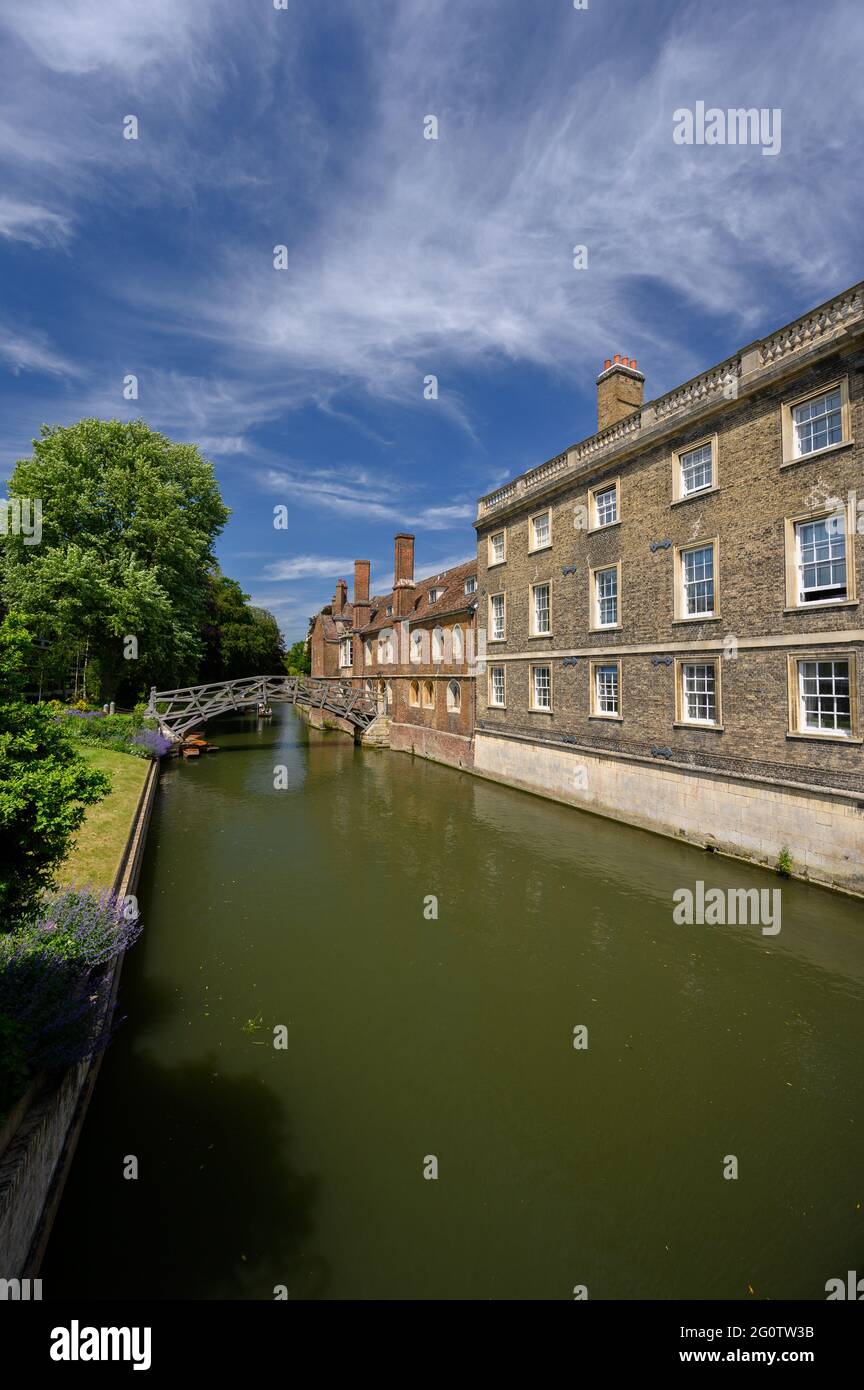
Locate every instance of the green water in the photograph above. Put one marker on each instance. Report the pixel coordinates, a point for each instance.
(410, 1037)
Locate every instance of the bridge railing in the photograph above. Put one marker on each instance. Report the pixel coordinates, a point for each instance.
(188, 706)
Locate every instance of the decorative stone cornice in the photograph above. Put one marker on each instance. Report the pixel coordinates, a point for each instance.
(725, 382)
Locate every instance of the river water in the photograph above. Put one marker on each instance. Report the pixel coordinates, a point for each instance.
(411, 1037)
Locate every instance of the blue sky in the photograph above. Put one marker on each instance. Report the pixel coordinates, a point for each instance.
(406, 256)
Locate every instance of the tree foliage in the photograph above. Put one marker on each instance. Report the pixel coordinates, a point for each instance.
(45, 786)
(298, 661)
(129, 519)
(241, 640)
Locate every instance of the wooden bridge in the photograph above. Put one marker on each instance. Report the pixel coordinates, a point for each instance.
(178, 711)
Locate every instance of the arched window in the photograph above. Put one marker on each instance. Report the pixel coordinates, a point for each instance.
(428, 694)
(458, 650)
(414, 693)
(438, 644)
(416, 647)
(388, 693)
(385, 648)
(367, 651)
(454, 697)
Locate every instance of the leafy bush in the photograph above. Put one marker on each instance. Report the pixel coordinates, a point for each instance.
(125, 733)
(45, 785)
(50, 986)
(152, 741)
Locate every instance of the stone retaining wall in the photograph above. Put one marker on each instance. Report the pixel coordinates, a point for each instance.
(39, 1148)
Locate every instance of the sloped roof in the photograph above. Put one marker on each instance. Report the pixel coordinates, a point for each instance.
(453, 598)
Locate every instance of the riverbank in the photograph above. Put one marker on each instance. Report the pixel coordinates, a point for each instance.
(101, 843)
(39, 1137)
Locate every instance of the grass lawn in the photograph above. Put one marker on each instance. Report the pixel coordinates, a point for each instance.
(102, 838)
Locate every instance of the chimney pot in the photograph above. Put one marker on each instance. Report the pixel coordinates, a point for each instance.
(607, 364)
(619, 393)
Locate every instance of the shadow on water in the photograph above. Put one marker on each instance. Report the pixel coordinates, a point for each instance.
(217, 1210)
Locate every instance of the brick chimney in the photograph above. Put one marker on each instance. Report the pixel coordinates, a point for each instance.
(403, 585)
(339, 598)
(362, 607)
(619, 390)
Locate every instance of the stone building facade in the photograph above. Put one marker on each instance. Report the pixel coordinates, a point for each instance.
(673, 633)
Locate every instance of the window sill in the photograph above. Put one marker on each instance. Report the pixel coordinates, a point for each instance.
(695, 724)
(532, 710)
(703, 618)
(817, 454)
(537, 549)
(496, 564)
(539, 636)
(607, 718)
(612, 627)
(490, 708)
(820, 607)
(693, 496)
(496, 640)
(609, 526)
(824, 738)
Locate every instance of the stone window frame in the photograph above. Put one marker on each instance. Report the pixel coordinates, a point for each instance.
(593, 711)
(438, 645)
(547, 545)
(456, 660)
(414, 695)
(679, 616)
(699, 659)
(678, 493)
(541, 709)
(386, 651)
(794, 729)
(428, 685)
(343, 643)
(491, 562)
(593, 608)
(493, 704)
(605, 486)
(415, 649)
(790, 523)
(501, 593)
(454, 705)
(532, 634)
(789, 457)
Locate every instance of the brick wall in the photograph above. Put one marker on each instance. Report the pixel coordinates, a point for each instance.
(746, 512)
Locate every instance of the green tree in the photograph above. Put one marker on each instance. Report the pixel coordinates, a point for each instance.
(241, 640)
(128, 523)
(298, 661)
(45, 786)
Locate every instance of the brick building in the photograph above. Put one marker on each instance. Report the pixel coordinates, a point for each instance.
(328, 631)
(671, 607)
(412, 648)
